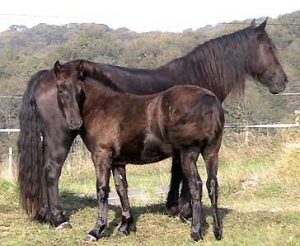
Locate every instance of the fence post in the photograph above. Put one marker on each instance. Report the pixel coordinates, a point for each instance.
(246, 135)
(10, 174)
(297, 117)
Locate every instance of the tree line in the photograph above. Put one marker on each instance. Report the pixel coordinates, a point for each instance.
(24, 51)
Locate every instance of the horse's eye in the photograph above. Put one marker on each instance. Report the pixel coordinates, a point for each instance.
(60, 91)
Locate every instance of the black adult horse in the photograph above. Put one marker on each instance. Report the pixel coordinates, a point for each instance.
(122, 128)
(220, 65)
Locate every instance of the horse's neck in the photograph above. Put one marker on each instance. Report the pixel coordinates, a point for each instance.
(137, 81)
(98, 94)
(198, 69)
(195, 68)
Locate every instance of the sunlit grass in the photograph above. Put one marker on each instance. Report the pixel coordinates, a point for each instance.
(259, 200)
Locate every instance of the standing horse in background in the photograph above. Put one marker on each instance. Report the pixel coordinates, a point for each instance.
(220, 65)
(122, 128)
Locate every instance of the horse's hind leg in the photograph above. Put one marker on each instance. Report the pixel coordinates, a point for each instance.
(102, 160)
(176, 178)
(210, 156)
(175, 204)
(127, 225)
(185, 206)
(189, 158)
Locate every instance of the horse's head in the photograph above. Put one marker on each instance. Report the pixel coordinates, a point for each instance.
(267, 68)
(70, 93)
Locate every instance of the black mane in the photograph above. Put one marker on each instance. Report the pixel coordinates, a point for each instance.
(107, 82)
(220, 64)
(101, 77)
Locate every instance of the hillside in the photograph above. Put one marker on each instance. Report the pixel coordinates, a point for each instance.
(24, 51)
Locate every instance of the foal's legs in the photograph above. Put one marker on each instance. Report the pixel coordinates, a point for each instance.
(119, 173)
(183, 204)
(210, 156)
(189, 158)
(102, 161)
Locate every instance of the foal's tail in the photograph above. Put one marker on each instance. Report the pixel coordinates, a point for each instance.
(30, 148)
(204, 121)
(212, 115)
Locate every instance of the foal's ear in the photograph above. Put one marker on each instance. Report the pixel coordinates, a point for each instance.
(57, 68)
(80, 70)
(262, 26)
(252, 24)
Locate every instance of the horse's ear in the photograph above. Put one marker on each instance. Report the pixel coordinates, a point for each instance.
(252, 24)
(262, 26)
(57, 68)
(80, 70)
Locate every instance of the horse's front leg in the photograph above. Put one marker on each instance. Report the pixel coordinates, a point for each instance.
(127, 224)
(55, 153)
(102, 159)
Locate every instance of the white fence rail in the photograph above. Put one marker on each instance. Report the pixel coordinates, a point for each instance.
(295, 125)
(10, 169)
(264, 126)
(288, 125)
(10, 130)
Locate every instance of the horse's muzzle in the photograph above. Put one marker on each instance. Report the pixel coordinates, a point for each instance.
(75, 124)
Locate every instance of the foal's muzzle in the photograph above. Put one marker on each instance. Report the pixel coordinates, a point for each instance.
(75, 124)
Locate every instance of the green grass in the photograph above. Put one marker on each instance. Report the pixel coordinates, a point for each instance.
(259, 201)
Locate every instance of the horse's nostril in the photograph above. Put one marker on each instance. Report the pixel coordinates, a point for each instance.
(76, 123)
(73, 122)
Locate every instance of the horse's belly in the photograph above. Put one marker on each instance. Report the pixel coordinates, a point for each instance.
(148, 153)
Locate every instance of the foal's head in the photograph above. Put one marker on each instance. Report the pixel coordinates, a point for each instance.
(70, 93)
(267, 68)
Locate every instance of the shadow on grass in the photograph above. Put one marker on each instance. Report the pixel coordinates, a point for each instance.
(73, 202)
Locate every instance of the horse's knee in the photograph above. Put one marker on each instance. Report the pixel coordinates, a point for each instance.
(52, 172)
(103, 193)
(212, 188)
(196, 189)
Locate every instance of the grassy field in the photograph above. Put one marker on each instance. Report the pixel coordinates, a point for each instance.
(259, 200)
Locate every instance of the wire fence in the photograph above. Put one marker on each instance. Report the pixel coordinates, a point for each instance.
(9, 134)
(78, 152)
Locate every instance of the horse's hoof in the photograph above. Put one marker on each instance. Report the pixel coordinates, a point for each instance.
(184, 219)
(123, 233)
(218, 234)
(173, 210)
(185, 212)
(90, 238)
(132, 228)
(196, 236)
(64, 225)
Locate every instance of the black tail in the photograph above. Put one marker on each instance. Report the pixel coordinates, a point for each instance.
(212, 115)
(30, 150)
